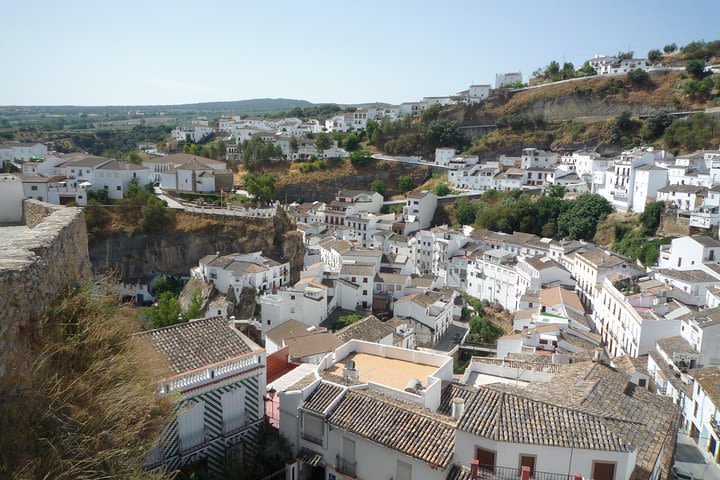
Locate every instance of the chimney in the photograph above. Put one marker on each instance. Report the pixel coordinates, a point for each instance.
(350, 372)
(577, 476)
(458, 408)
(596, 355)
(525, 473)
(474, 468)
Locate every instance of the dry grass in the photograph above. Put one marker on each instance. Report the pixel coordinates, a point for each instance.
(88, 408)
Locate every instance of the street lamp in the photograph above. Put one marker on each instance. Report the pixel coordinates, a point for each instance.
(271, 396)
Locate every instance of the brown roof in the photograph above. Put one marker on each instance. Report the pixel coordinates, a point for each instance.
(198, 343)
(396, 424)
(424, 299)
(560, 296)
(308, 345)
(452, 391)
(321, 398)
(363, 269)
(691, 276)
(709, 379)
(369, 329)
(290, 329)
(87, 162)
(676, 344)
(183, 158)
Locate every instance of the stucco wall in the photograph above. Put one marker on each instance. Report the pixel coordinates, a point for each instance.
(37, 265)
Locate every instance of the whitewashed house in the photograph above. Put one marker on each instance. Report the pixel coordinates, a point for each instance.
(429, 313)
(258, 271)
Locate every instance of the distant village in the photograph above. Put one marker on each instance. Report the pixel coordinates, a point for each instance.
(601, 362)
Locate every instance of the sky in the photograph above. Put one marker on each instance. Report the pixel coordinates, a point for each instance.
(153, 52)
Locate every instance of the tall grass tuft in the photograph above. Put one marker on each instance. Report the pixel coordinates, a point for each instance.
(88, 407)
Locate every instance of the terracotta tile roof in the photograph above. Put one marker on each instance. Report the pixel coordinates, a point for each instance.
(709, 379)
(308, 345)
(396, 424)
(366, 270)
(424, 299)
(198, 343)
(560, 296)
(451, 391)
(691, 276)
(321, 398)
(675, 344)
(369, 329)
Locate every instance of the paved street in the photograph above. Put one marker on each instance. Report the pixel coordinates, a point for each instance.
(691, 459)
(445, 345)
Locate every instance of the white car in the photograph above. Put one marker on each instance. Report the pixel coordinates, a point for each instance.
(680, 474)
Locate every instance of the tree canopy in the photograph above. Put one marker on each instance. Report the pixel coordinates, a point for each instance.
(261, 186)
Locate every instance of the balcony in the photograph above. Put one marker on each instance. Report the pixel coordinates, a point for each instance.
(235, 424)
(507, 473)
(345, 466)
(194, 442)
(312, 438)
(715, 424)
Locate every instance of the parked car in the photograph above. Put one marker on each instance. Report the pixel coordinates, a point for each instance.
(680, 474)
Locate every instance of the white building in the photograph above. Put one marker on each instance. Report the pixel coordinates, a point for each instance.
(190, 133)
(429, 313)
(502, 79)
(686, 198)
(21, 152)
(478, 93)
(306, 301)
(215, 385)
(258, 271)
(419, 211)
(609, 65)
(350, 202)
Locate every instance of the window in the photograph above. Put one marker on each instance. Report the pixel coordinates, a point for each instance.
(191, 426)
(313, 428)
(603, 470)
(528, 461)
(119, 188)
(233, 409)
(403, 471)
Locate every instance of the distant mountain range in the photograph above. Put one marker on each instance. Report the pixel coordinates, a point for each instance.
(252, 106)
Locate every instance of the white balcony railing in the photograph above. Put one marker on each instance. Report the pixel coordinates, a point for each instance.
(235, 424)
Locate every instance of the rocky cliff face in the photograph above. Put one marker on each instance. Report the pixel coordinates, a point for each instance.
(137, 256)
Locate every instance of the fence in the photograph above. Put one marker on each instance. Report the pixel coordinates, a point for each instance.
(248, 212)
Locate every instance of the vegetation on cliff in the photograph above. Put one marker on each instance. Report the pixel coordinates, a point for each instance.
(88, 408)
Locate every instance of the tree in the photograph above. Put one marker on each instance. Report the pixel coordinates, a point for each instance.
(655, 126)
(650, 217)
(586, 70)
(465, 213)
(405, 183)
(378, 186)
(195, 306)
(100, 195)
(134, 157)
(622, 126)
(568, 71)
(294, 144)
(352, 142)
(638, 77)
(156, 217)
(696, 68)
(256, 151)
(557, 191)
(360, 158)
(552, 71)
(167, 311)
(322, 142)
(654, 56)
(580, 221)
(133, 189)
(441, 189)
(625, 55)
(692, 133)
(445, 133)
(345, 320)
(670, 48)
(261, 186)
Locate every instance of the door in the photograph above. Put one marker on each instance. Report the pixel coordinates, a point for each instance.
(191, 426)
(528, 461)
(603, 471)
(486, 459)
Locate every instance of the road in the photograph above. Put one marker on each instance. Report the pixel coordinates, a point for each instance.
(170, 202)
(418, 161)
(469, 193)
(691, 459)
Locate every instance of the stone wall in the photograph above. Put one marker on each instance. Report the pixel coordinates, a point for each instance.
(38, 263)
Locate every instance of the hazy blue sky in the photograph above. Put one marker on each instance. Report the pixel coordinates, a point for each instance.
(105, 52)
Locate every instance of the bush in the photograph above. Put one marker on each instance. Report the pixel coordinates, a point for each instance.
(651, 216)
(441, 190)
(156, 218)
(360, 158)
(466, 213)
(670, 48)
(405, 183)
(692, 133)
(167, 311)
(696, 68)
(378, 186)
(345, 320)
(638, 77)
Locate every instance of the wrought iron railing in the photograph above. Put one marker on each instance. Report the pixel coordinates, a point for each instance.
(345, 466)
(312, 438)
(508, 473)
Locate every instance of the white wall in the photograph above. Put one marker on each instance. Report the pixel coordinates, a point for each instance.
(11, 197)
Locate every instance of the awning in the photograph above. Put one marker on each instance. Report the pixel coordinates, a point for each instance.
(309, 457)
